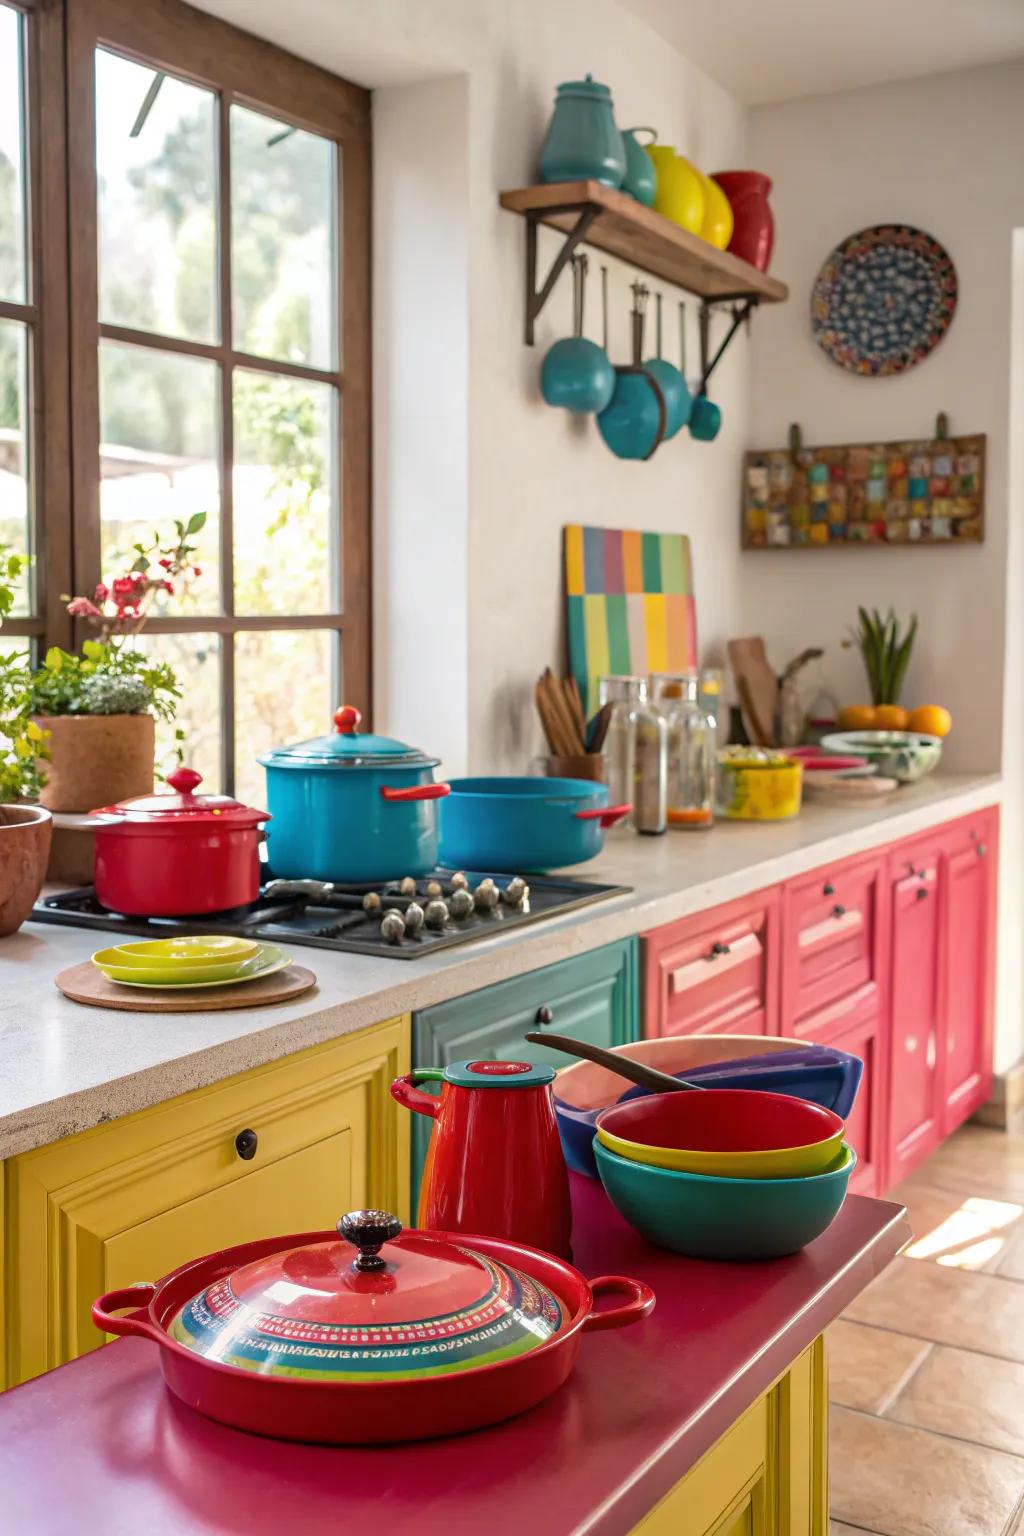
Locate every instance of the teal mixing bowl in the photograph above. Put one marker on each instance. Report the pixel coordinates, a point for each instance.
(720, 1218)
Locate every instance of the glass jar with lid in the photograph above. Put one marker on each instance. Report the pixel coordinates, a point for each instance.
(636, 752)
(692, 748)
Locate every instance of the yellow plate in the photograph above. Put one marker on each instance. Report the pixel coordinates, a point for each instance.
(267, 959)
(206, 949)
(775, 1163)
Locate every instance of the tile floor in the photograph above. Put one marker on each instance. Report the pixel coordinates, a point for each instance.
(927, 1367)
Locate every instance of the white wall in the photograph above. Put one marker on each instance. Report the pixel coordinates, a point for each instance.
(943, 153)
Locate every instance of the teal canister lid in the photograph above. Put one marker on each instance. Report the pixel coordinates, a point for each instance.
(488, 1074)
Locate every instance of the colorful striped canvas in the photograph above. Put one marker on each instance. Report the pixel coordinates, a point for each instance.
(630, 604)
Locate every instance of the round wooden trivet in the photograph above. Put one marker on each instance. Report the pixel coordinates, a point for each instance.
(85, 984)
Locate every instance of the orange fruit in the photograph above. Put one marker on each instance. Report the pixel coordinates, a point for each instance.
(857, 717)
(930, 720)
(891, 717)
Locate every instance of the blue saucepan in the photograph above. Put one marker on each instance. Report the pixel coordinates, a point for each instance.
(518, 825)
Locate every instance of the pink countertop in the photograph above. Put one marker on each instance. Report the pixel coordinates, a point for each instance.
(100, 1445)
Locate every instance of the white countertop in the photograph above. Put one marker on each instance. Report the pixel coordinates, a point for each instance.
(65, 1067)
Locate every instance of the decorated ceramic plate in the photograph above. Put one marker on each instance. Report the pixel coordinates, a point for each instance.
(884, 299)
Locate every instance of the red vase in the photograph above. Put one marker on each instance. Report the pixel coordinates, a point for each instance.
(753, 233)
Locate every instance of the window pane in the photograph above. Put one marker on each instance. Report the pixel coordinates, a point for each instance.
(12, 159)
(284, 691)
(156, 183)
(282, 240)
(15, 525)
(285, 497)
(159, 414)
(196, 663)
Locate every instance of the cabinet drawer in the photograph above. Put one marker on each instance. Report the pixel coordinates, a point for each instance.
(136, 1198)
(714, 973)
(592, 997)
(830, 937)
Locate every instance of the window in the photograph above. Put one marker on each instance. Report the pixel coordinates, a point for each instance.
(214, 197)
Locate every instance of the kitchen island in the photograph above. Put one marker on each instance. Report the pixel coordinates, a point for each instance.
(706, 1419)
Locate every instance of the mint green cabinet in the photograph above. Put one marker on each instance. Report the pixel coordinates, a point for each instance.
(592, 997)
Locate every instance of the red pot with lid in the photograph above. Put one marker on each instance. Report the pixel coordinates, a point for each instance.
(177, 854)
(413, 1335)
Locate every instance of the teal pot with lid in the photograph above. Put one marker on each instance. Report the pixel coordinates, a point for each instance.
(351, 807)
(582, 142)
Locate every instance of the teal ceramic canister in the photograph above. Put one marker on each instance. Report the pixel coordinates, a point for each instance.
(641, 178)
(582, 142)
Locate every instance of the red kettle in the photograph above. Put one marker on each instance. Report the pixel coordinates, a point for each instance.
(495, 1163)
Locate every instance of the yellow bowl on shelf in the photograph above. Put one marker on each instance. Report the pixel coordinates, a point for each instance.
(204, 949)
(717, 224)
(679, 193)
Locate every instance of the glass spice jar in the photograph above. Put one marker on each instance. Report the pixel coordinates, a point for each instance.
(692, 751)
(636, 752)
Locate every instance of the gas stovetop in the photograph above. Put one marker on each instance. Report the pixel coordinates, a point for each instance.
(432, 913)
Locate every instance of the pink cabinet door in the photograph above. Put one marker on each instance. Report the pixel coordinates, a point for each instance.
(968, 960)
(854, 1024)
(714, 973)
(914, 1005)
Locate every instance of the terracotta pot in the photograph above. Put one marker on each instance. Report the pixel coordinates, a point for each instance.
(753, 233)
(24, 848)
(97, 760)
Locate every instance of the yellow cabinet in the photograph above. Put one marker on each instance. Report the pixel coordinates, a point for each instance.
(133, 1199)
(767, 1475)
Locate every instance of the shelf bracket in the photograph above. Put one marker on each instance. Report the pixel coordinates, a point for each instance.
(536, 297)
(740, 314)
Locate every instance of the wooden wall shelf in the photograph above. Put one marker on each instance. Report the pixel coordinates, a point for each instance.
(589, 213)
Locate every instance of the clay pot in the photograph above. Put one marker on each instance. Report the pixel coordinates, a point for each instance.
(25, 832)
(96, 760)
(753, 233)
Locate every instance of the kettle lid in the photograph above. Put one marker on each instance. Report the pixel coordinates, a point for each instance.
(497, 1074)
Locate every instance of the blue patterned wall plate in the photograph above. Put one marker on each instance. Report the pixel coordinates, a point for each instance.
(884, 299)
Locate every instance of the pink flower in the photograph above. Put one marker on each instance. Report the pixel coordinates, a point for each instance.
(123, 590)
(197, 570)
(82, 608)
(102, 592)
(166, 564)
(168, 586)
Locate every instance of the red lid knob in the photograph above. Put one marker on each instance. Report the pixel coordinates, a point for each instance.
(184, 780)
(499, 1068)
(346, 720)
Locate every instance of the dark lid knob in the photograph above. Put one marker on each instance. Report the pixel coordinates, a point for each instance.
(369, 1231)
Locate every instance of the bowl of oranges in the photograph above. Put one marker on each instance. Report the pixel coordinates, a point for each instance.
(899, 744)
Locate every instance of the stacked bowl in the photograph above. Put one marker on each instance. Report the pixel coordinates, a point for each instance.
(212, 960)
(724, 1173)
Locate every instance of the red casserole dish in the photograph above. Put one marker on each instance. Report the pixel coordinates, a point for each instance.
(423, 1334)
(177, 854)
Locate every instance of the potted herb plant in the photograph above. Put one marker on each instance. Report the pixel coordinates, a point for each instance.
(25, 830)
(100, 707)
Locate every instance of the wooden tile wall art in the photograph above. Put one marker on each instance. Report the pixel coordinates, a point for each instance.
(921, 491)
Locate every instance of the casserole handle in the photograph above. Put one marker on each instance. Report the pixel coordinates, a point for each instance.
(416, 792)
(640, 1303)
(405, 1092)
(137, 1322)
(607, 815)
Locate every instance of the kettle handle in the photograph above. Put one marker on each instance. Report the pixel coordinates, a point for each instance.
(405, 1092)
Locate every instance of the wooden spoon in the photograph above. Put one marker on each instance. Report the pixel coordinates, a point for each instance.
(622, 1066)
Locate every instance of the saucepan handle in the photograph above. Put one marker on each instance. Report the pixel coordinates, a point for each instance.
(607, 815)
(405, 1092)
(640, 1303)
(137, 1322)
(416, 792)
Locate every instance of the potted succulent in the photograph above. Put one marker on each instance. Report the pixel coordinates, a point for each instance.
(25, 829)
(100, 707)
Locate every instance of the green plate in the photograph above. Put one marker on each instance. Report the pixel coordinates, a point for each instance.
(268, 959)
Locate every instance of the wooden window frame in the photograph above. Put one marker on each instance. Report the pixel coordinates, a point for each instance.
(172, 36)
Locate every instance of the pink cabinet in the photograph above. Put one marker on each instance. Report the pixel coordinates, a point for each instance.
(715, 973)
(968, 964)
(854, 1024)
(914, 1118)
(831, 936)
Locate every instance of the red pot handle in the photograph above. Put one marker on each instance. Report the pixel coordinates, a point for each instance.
(640, 1303)
(137, 1322)
(405, 1092)
(607, 815)
(416, 792)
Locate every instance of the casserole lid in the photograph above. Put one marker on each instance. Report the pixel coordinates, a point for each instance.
(182, 806)
(348, 747)
(400, 1307)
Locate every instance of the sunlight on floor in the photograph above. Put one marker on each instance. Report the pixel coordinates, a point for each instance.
(970, 1237)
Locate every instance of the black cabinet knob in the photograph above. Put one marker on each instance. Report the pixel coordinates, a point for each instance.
(544, 1015)
(981, 850)
(246, 1143)
(838, 910)
(718, 949)
(922, 893)
(828, 889)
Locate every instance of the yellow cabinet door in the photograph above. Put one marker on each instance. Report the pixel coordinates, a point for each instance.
(766, 1476)
(133, 1199)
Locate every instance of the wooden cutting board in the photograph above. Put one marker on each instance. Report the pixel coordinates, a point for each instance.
(85, 984)
(757, 686)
